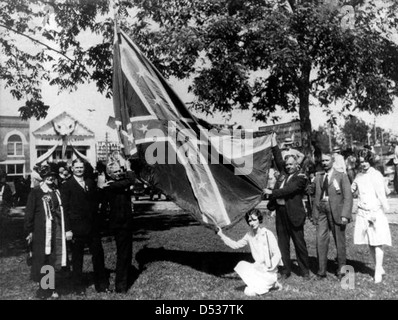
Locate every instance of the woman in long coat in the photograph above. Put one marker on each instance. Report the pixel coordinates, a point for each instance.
(47, 229)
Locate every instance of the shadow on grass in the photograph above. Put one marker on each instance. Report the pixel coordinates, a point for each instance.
(12, 237)
(360, 267)
(13, 243)
(65, 284)
(332, 266)
(145, 223)
(223, 263)
(216, 263)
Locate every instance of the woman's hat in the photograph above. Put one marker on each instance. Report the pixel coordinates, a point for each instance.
(46, 172)
(65, 174)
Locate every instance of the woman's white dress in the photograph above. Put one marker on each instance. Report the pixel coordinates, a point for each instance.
(372, 205)
(261, 275)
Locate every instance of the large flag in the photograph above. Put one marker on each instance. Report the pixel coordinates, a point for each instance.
(217, 176)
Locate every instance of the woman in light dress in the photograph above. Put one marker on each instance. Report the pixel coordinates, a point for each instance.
(260, 276)
(371, 226)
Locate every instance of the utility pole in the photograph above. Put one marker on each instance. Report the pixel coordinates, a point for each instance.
(382, 138)
(106, 146)
(375, 132)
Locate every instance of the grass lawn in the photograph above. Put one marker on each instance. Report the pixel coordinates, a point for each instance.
(177, 258)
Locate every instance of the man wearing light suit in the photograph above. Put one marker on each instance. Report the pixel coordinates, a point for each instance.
(331, 213)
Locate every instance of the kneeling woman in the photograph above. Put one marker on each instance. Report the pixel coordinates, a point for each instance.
(46, 229)
(260, 276)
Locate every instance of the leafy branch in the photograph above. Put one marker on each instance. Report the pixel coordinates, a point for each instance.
(45, 45)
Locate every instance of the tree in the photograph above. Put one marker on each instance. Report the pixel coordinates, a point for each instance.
(35, 48)
(355, 129)
(296, 54)
(252, 54)
(321, 140)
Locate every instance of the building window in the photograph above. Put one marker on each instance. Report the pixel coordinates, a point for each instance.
(14, 146)
(13, 171)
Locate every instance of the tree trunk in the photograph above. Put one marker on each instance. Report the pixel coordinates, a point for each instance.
(304, 111)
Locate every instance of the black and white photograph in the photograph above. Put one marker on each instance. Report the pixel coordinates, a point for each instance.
(203, 155)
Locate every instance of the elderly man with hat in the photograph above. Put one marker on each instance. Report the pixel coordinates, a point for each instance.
(47, 229)
(288, 150)
(118, 191)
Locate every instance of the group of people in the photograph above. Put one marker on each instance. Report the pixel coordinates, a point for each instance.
(332, 194)
(64, 216)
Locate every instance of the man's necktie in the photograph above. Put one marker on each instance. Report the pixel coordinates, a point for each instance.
(325, 186)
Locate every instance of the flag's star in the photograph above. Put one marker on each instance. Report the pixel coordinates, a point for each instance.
(144, 128)
(158, 100)
(131, 138)
(192, 157)
(172, 126)
(141, 73)
(202, 185)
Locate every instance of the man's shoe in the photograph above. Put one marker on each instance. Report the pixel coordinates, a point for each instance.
(79, 290)
(277, 286)
(102, 286)
(43, 294)
(307, 277)
(340, 276)
(249, 292)
(54, 295)
(103, 289)
(320, 276)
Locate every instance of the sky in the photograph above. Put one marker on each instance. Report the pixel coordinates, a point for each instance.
(86, 98)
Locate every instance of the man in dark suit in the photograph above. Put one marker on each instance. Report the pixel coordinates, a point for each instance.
(117, 190)
(331, 213)
(287, 199)
(79, 198)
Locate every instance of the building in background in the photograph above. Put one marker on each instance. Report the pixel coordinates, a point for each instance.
(106, 149)
(15, 147)
(286, 130)
(63, 138)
